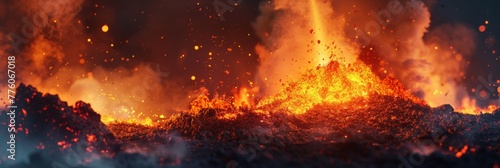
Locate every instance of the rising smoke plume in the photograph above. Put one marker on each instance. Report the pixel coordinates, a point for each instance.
(59, 54)
(430, 62)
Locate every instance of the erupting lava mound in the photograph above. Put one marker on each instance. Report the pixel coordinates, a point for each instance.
(336, 83)
(384, 131)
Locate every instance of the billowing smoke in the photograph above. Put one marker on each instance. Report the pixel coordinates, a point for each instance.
(22, 36)
(58, 53)
(431, 63)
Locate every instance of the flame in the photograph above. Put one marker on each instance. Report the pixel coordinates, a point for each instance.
(108, 119)
(243, 98)
(91, 138)
(203, 102)
(336, 83)
(469, 106)
(64, 144)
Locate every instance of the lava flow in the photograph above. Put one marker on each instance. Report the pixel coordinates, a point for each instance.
(335, 84)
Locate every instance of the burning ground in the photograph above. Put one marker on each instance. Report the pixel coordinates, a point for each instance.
(384, 131)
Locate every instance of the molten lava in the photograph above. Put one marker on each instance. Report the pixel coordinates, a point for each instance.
(335, 83)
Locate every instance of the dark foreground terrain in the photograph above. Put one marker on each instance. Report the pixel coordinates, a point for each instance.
(382, 132)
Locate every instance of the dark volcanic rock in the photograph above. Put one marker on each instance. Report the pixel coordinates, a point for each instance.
(381, 132)
(45, 123)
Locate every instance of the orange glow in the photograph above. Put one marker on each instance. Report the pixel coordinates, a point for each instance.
(146, 121)
(460, 153)
(334, 84)
(243, 98)
(91, 138)
(105, 28)
(63, 144)
(482, 28)
(469, 106)
(90, 75)
(228, 116)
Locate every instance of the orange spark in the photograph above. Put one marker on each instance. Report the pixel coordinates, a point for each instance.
(105, 28)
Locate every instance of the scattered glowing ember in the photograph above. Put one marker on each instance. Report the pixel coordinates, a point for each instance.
(334, 84)
(105, 28)
(462, 152)
(469, 106)
(482, 28)
(91, 138)
(63, 144)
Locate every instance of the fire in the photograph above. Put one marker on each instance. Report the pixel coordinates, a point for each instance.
(243, 98)
(469, 107)
(335, 83)
(462, 152)
(203, 102)
(146, 121)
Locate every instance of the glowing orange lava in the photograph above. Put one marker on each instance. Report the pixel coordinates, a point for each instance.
(335, 83)
(243, 98)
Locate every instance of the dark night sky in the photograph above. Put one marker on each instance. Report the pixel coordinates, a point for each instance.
(473, 14)
(163, 32)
